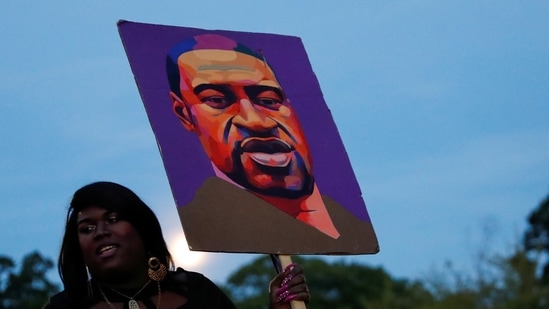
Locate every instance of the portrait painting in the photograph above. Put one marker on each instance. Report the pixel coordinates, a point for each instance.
(252, 154)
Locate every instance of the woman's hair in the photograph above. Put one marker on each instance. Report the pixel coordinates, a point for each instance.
(113, 197)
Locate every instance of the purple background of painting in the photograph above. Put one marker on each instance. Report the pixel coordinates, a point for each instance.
(184, 159)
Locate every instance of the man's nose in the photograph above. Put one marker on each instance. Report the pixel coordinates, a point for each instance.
(251, 118)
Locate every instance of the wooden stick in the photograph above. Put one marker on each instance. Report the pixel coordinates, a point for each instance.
(286, 260)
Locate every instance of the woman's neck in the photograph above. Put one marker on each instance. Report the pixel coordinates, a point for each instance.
(131, 282)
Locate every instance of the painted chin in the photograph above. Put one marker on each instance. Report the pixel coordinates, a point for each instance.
(272, 170)
(271, 167)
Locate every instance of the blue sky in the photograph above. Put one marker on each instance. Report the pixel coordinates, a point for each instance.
(442, 107)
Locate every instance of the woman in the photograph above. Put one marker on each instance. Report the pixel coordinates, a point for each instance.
(113, 256)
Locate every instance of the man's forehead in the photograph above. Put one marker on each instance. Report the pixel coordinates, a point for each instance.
(217, 59)
(201, 66)
(214, 54)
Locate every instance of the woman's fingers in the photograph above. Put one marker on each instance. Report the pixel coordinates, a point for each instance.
(290, 285)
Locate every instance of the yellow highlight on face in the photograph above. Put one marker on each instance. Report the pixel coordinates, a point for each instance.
(214, 66)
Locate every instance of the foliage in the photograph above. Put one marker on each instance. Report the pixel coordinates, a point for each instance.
(28, 288)
(338, 285)
(248, 286)
(511, 281)
(536, 237)
(519, 280)
(500, 282)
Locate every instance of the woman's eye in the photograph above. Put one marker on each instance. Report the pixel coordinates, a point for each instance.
(112, 219)
(86, 229)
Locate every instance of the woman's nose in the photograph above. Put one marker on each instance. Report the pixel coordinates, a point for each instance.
(101, 230)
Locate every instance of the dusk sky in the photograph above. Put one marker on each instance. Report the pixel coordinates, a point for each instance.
(442, 106)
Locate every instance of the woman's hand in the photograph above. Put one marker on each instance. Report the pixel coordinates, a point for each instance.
(287, 286)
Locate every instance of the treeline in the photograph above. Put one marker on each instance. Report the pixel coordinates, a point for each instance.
(28, 286)
(519, 280)
(503, 283)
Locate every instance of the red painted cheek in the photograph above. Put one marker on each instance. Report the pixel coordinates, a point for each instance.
(219, 154)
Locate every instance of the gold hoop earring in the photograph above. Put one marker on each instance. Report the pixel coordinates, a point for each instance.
(157, 271)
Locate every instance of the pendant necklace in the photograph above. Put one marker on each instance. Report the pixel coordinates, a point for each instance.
(132, 303)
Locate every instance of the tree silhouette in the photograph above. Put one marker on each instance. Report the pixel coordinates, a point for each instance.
(336, 285)
(536, 237)
(28, 288)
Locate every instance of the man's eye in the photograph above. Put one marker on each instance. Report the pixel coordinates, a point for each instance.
(268, 102)
(216, 101)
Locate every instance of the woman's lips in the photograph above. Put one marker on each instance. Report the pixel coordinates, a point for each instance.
(106, 250)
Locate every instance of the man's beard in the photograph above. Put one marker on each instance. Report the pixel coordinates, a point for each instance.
(238, 175)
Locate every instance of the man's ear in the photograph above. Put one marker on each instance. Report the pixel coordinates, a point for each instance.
(181, 110)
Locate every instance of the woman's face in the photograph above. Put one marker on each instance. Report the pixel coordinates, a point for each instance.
(110, 245)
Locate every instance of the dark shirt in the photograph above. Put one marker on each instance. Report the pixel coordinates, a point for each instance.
(199, 291)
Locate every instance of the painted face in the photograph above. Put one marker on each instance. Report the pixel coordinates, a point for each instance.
(109, 244)
(247, 127)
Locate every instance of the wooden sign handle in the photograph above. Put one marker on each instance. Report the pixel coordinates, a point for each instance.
(286, 260)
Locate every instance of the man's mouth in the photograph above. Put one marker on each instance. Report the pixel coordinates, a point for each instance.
(271, 159)
(271, 152)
